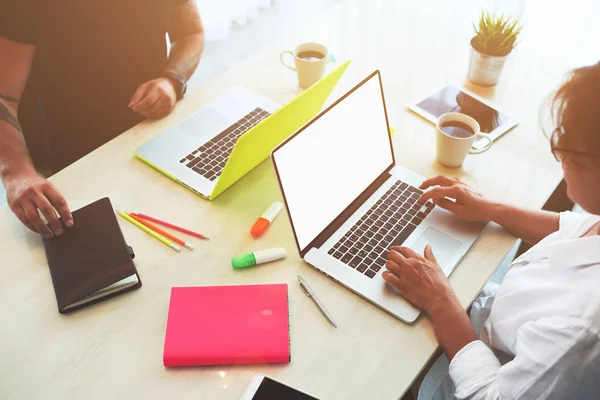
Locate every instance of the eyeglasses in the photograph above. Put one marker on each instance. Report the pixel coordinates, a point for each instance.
(560, 152)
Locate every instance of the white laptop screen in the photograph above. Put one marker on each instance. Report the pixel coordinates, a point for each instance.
(327, 165)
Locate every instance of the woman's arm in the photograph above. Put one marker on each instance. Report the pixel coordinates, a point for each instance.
(455, 196)
(531, 226)
(554, 357)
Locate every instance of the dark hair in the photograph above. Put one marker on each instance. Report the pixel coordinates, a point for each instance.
(575, 111)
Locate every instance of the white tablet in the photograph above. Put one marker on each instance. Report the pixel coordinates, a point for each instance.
(491, 119)
(264, 388)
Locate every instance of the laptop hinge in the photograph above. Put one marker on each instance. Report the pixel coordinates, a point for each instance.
(347, 213)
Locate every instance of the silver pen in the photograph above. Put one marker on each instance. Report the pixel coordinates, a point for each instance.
(315, 299)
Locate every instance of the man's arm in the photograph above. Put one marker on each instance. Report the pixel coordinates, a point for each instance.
(187, 39)
(26, 191)
(157, 98)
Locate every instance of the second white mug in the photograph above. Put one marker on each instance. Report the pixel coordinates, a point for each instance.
(453, 149)
(310, 60)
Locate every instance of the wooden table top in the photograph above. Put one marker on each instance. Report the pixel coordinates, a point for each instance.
(114, 349)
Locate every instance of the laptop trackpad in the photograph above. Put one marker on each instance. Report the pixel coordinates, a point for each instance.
(443, 246)
(205, 121)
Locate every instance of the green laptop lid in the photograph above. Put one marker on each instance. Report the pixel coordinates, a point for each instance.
(256, 145)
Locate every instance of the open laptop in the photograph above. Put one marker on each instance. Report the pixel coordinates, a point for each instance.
(349, 202)
(224, 140)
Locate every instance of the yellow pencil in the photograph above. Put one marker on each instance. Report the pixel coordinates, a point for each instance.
(148, 230)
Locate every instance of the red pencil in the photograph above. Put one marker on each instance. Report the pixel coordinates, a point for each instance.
(169, 225)
(161, 231)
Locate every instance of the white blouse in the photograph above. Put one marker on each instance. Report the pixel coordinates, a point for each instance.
(542, 337)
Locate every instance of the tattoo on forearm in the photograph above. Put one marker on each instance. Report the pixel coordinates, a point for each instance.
(184, 20)
(7, 98)
(183, 67)
(6, 116)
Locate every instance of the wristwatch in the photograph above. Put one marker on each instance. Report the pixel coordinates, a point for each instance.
(179, 82)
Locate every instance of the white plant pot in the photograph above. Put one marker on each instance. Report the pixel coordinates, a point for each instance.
(485, 70)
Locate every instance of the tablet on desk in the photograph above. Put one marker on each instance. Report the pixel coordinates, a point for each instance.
(264, 388)
(452, 99)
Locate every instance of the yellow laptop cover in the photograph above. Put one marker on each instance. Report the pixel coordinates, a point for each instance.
(256, 145)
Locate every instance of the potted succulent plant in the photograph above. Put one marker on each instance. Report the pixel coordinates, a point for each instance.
(495, 37)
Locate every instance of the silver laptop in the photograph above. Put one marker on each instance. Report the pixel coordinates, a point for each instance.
(195, 152)
(220, 143)
(349, 202)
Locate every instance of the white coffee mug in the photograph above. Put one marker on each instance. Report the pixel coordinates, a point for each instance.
(452, 150)
(309, 70)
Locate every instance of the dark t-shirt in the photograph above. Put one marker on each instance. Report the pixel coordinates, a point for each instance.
(91, 55)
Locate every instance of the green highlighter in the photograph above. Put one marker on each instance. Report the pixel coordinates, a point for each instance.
(258, 257)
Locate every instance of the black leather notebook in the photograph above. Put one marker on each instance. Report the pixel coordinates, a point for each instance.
(90, 261)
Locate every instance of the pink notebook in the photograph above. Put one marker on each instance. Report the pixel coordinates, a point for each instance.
(224, 325)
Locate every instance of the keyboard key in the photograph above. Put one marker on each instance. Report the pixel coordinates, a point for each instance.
(363, 254)
(363, 239)
(370, 273)
(362, 267)
(421, 215)
(388, 226)
(375, 268)
(347, 258)
(380, 261)
(368, 248)
(373, 242)
(344, 249)
(353, 251)
(389, 238)
(374, 255)
(404, 235)
(338, 254)
(354, 238)
(355, 262)
(379, 250)
(416, 220)
(378, 237)
(403, 186)
(193, 163)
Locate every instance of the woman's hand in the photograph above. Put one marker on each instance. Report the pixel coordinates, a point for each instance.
(418, 278)
(457, 197)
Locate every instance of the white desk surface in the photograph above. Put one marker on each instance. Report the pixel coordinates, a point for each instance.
(114, 349)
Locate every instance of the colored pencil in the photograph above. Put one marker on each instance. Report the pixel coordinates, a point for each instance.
(161, 232)
(169, 225)
(148, 231)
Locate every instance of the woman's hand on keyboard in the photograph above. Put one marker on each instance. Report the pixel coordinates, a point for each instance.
(457, 197)
(418, 278)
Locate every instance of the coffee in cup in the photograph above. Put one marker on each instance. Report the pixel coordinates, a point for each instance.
(310, 60)
(456, 134)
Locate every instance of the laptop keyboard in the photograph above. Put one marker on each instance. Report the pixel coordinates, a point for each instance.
(391, 220)
(209, 159)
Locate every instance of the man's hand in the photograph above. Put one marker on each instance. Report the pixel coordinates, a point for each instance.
(155, 98)
(418, 278)
(28, 192)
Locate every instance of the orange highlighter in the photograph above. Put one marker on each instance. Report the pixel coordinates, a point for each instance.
(263, 223)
